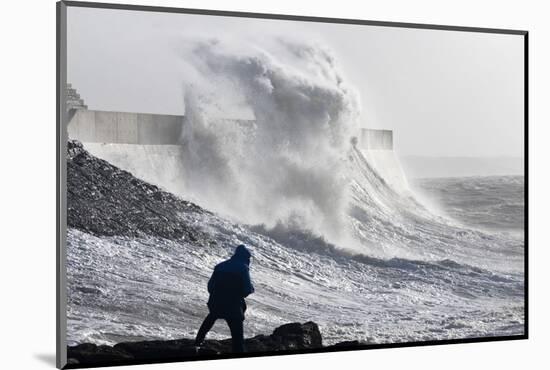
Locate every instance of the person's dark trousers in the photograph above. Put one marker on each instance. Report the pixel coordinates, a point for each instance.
(235, 326)
(237, 336)
(206, 325)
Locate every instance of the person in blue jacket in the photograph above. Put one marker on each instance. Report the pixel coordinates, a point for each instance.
(229, 285)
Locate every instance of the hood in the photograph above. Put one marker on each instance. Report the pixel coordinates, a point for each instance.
(242, 254)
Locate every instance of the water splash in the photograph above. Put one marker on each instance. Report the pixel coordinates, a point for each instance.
(287, 164)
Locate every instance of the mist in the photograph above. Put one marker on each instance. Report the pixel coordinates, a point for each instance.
(287, 165)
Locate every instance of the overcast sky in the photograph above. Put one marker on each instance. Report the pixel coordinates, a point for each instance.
(444, 93)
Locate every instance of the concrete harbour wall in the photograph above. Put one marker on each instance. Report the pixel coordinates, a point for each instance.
(376, 139)
(93, 126)
(125, 128)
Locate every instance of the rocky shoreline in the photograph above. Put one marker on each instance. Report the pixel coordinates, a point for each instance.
(288, 337)
(104, 200)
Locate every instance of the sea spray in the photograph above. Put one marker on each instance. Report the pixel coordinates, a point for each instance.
(294, 166)
(286, 165)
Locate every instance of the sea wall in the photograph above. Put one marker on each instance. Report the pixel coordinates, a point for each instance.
(94, 126)
(377, 148)
(376, 139)
(387, 164)
(147, 145)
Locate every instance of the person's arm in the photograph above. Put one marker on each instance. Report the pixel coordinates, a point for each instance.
(211, 282)
(248, 288)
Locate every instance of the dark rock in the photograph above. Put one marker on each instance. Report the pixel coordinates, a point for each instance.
(91, 354)
(287, 337)
(104, 200)
(299, 336)
(261, 343)
(346, 344)
(159, 349)
(72, 361)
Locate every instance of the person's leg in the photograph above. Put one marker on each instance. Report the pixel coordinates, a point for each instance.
(237, 335)
(207, 324)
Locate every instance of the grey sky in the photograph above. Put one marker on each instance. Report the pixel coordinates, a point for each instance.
(443, 93)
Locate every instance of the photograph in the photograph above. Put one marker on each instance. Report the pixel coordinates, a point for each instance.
(245, 185)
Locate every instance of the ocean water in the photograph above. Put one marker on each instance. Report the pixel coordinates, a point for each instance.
(495, 203)
(440, 280)
(338, 235)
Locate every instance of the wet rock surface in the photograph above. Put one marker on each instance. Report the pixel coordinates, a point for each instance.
(293, 336)
(104, 200)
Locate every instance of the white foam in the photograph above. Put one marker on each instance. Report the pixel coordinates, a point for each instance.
(291, 166)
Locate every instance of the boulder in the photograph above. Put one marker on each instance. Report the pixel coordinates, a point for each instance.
(298, 336)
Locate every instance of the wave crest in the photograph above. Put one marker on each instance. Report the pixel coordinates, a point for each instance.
(289, 161)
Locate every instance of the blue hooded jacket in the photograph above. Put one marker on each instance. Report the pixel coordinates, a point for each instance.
(230, 284)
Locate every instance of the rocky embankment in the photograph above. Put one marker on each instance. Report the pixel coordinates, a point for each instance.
(294, 336)
(104, 200)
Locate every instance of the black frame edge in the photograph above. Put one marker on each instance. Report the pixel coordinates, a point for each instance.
(289, 17)
(526, 181)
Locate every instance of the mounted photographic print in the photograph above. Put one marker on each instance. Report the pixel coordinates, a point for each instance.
(238, 184)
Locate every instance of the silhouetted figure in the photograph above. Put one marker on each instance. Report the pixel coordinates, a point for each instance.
(229, 285)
